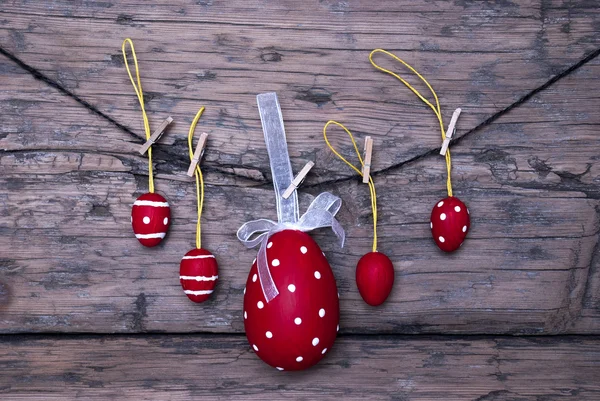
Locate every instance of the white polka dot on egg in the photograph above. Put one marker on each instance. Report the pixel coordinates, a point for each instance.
(440, 203)
(299, 359)
(270, 244)
(321, 312)
(275, 262)
(245, 315)
(260, 305)
(278, 368)
(165, 221)
(291, 288)
(269, 334)
(303, 249)
(317, 275)
(431, 225)
(442, 239)
(298, 321)
(457, 208)
(443, 216)
(315, 341)
(464, 229)
(337, 328)
(146, 220)
(255, 347)
(324, 350)
(254, 278)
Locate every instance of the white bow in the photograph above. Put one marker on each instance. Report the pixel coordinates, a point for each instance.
(321, 213)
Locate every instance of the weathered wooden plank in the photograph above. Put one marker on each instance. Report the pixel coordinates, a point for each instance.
(557, 159)
(480, 56)
(217, 367)
(72, 264)
(70, 184)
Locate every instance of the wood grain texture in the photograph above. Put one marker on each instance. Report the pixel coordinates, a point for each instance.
(481, 57)
(529, 266)
(214, 367)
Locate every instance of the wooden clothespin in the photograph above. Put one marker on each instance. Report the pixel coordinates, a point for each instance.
(156, 135)
(197, 154)
(298, 180)
(366, 170)
(451, 131)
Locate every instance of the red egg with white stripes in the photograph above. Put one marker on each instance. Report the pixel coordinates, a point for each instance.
(150, 219)
(198, 274)
(298, 327)
(449, 223)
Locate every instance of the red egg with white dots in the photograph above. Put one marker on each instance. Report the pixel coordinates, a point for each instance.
(198, 274)
(298, 327)
(150, 219)
(449, 223)
(374, 278)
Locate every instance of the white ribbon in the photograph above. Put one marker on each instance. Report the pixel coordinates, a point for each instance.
(321, 213)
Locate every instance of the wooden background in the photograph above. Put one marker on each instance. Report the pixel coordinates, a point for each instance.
(87, 312)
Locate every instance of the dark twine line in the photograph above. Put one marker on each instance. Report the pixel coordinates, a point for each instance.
(41, 77)
(534, 92)
(485, 123)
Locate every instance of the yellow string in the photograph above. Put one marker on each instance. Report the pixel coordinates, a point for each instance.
(199, 178)
(359, 171)
(436, 108)
(140, 94)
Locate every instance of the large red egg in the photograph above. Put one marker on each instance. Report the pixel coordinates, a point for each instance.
(198, 274)
(297, 328)
(150, 219)
(374, 278)
(450, 223)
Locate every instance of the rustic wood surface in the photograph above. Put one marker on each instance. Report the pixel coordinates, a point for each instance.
(210, 367)
(526, 163)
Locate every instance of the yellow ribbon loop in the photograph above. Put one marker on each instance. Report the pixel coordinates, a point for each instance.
(140, 95)
(359, 171)
(199, 178)
(436, 108)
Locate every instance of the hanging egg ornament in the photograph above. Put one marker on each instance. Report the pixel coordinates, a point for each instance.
(296, 329)
(450, 217)
(150, 219)
(198, 270)
(198, 274)
(449, 223)
(374, 278)
(291, 303)
(374, 271)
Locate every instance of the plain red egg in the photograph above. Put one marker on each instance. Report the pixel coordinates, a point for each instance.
(298, 327)
(198, 274)
(150, 219)
(374, 277)
(449, 223)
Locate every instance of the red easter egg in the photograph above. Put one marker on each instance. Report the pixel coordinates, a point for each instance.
(297, 328)
(449, 223)
(150, 219)
(374, 278)
(198, 274)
